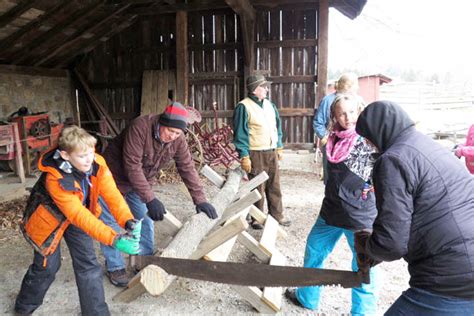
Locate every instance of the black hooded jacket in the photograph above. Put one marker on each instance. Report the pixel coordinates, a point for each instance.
(425, 203)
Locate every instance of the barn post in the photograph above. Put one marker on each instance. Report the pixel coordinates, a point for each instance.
(246, 13)
(182, 78)
(322, 71)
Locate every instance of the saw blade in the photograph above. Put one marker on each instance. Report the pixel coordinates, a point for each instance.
(250, 274)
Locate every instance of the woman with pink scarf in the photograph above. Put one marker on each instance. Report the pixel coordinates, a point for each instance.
(348, 205)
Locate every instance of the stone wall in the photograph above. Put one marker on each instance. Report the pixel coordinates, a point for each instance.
(51, 91)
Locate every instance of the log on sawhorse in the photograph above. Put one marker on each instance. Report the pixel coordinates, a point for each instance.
(184, 243)
(217, 247)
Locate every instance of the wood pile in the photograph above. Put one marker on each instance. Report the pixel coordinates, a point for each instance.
(11, 213)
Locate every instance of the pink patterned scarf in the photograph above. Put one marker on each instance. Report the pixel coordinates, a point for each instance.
(340, 143)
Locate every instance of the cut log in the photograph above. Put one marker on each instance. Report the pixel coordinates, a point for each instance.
(143, 282)
(189, 237)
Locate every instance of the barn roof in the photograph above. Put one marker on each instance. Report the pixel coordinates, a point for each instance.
(51, 33)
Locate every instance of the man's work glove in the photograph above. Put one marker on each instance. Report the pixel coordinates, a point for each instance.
(156, 210)
(246, 164)
(127, 243)
(324, 140)
(280, 153)
(134, 227)
(208, 209)
(364, 261)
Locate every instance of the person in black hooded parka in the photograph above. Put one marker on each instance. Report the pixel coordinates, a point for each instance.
(425, 204)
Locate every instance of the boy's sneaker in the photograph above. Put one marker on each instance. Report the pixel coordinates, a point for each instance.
(118, 277)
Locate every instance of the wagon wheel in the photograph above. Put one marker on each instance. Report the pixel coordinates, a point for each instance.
(195, 148)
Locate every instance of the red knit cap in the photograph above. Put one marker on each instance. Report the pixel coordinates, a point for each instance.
(175, 115)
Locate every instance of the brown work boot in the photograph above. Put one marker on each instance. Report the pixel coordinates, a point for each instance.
(256, 225)
(284, 222)
(118, 277)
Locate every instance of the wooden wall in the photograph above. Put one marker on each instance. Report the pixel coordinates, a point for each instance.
(285, 43)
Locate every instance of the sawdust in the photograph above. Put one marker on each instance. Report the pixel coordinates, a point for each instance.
(302, 196)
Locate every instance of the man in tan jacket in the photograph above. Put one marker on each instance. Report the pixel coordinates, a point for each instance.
(258, 140)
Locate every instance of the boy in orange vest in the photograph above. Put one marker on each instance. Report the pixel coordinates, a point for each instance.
(64, 203)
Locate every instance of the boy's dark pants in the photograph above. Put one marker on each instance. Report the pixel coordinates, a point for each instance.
(266, 160)
(87, 270)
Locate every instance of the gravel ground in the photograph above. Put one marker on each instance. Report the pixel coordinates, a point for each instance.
(302, 193)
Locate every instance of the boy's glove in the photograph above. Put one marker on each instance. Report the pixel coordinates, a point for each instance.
(364, 261)
(246, 164)
(134, 227)
(208, 209)
(127, 243)
(156, 210)
(280, 153)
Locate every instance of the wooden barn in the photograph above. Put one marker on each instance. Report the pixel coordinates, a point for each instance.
(105, 62)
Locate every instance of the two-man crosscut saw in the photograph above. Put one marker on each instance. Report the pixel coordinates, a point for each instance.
(250, 274)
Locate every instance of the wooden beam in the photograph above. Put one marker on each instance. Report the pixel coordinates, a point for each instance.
(8, 42)
(323, 26)
(247, 15)
(94, 41)
(212, 176)
(242, 7)
(267, 242)
(77, 36)
(94, 102)
(239, 205)
(18, 159)
(182, 69)
(289, 111)
(217, 238)
(252, 184)
(15, 12)
(33, 71)
(277, 3)
(307, 42)
(253, 246)
(261, 218)
(166, 9)
(272, 296)
(222, 252)
(25, 51)
(253, 295)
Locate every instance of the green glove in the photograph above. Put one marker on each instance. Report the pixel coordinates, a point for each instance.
(134, 227)
(127, 243)
(137, 229)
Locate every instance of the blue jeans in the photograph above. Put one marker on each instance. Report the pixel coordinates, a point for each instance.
(415, 301)
(113, 258)
(320, 243)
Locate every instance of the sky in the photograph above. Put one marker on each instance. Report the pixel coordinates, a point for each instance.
(431, 36)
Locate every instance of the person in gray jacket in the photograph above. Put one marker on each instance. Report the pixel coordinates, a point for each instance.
(425, 204)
